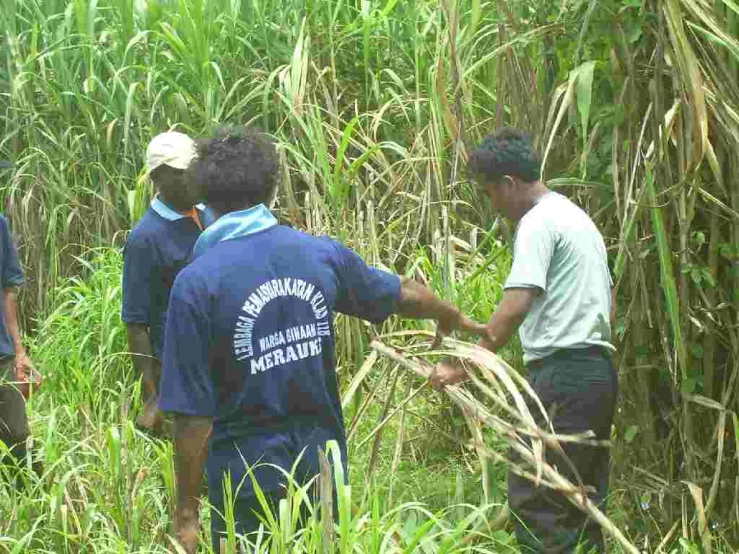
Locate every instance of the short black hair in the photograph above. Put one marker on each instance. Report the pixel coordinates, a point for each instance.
(237, 168)
(506, 152)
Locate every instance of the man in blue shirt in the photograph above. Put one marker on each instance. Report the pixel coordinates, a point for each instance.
(15, 365)
(249, 358)
(158, 247)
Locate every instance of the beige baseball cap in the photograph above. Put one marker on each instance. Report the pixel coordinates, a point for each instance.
(172, 148)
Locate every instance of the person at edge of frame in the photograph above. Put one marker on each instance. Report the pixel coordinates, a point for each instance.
(17, 372)
(249, 355)
(559, 292)
(157, 248)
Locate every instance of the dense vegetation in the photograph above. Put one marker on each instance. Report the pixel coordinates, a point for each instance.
(635, 104)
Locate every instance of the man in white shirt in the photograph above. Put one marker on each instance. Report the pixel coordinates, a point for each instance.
(558, 295)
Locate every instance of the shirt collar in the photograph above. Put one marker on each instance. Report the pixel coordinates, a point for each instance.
(168, 212)
(234, 225)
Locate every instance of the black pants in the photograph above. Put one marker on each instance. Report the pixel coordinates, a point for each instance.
(578, 388)
(13, 419)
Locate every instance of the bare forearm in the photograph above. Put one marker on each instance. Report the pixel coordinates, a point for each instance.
(419, 302)
(501, 328)
(504, 322)
(11, 320)
(139, 347)
(191, 435)
(511, 312)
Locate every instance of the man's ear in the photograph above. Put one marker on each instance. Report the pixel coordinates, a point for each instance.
(509, 181)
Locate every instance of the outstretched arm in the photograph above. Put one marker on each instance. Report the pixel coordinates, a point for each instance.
(373, 295)
(419, 302)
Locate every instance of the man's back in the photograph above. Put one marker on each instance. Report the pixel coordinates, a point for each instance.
(251, 344)
(559, 249)
(156, 251)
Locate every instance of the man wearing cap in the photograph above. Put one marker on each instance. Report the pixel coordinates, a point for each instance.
(158, 247)
(15, 365)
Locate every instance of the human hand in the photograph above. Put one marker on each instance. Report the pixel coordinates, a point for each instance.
(186, 527)
(150, 417)
(447, 374)
(487, 340)
(23, 367)
(455, 320)
(26, 375)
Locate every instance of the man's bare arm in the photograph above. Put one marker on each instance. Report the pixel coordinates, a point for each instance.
(23, 365)
(191, 435)
(507, 318)
(613, 314)
(140, 350)
(11, 319)
(419, 302)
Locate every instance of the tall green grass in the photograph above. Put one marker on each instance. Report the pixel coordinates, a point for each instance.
(375, 105)
(89, 83)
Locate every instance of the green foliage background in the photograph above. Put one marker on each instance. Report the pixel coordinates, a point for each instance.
(375, 104)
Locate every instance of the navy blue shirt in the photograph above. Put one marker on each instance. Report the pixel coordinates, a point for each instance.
(250, 342)
(158, 247)
(12, 276)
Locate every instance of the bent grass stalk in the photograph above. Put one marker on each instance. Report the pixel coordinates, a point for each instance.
(498, 375)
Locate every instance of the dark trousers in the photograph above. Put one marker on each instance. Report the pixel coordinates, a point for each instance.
(578, 388)
(13, 419)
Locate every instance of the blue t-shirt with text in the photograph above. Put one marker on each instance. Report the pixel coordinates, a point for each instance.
(250, 342)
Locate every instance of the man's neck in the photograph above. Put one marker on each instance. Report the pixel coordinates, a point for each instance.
(175, 204)
(220, 211)
(534, 194)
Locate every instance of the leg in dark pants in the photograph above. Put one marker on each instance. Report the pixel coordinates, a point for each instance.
(579, 391)
(13, 420)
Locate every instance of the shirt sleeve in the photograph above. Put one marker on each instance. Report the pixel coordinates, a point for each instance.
(138, 271)
(532, 254)
(363, 291)
(12, 272)
(186, 386)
